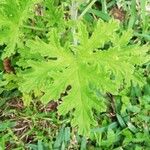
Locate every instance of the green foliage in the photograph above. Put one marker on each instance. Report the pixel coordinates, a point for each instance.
(13, 13)
(85, 67)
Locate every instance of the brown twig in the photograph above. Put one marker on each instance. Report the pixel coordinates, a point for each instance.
(7, 66)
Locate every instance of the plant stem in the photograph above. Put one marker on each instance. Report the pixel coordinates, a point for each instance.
(143, 14)
(87, 8)
(104, 6)
(74, 17)
(133, 14)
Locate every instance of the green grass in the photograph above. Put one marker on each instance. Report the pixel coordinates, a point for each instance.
(125, 125)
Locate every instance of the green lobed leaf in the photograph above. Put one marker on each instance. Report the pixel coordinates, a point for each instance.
(89, 63)
(13, 13)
